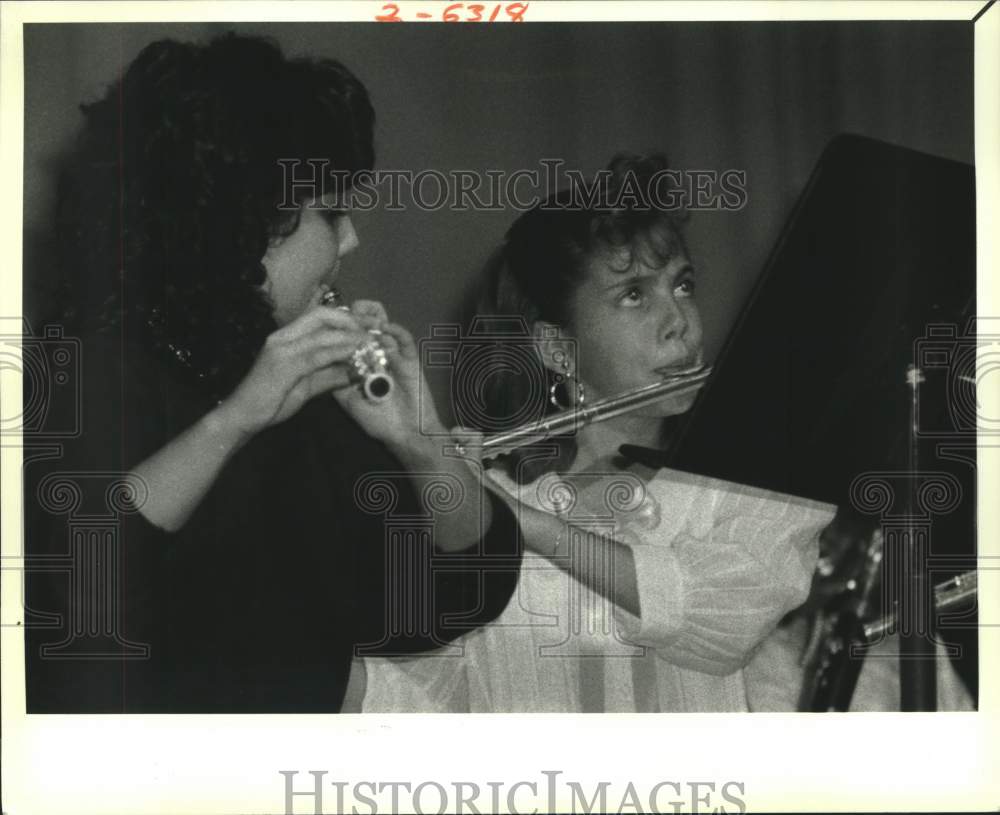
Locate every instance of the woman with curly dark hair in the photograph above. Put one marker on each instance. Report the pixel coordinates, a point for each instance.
(247, 561)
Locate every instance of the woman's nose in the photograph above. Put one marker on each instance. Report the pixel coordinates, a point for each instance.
(347, 238)
(674, 324)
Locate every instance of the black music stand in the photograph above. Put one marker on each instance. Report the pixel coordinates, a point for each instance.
(874, 272)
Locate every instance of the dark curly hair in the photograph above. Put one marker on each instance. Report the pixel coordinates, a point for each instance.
(543, 258)
(171, 198)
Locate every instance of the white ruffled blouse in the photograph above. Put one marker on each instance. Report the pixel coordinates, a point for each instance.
(717, 565)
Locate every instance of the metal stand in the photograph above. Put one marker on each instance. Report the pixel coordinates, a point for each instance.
(917, 652)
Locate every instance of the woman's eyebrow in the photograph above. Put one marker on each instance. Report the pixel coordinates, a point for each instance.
(634, 277)
(631, 279)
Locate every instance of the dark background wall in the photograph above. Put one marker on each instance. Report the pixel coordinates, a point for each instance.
(759, 97)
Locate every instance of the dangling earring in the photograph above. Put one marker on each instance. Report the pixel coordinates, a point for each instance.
(564, 379)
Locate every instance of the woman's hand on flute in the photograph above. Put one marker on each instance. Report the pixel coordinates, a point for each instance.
(305, 358)
(297, 362)
(406, 420)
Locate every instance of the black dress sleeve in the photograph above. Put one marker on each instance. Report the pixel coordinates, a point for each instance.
(427, 598)
(399, 593)
(90, 558)
(260, 601)
(129, 617)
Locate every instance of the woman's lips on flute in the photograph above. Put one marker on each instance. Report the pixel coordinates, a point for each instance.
(688, 366)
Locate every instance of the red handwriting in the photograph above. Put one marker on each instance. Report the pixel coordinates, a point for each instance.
(461, 13)
(391, 17)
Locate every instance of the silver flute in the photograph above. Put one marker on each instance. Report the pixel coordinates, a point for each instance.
(948, 595)
(685, 381)
(369, 365)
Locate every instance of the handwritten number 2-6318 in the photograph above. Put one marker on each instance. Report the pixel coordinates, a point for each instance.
(461, 13)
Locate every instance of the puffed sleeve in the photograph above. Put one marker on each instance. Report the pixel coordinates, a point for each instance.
(717, 575)
(706, 605)
(717, 564)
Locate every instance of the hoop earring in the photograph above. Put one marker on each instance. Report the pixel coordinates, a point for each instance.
(563, 379)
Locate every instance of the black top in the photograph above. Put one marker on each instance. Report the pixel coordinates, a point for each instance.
(310, 542)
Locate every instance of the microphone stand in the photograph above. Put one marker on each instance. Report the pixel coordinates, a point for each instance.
(917, 652)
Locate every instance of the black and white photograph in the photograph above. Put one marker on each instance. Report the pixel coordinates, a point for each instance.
(388, 387)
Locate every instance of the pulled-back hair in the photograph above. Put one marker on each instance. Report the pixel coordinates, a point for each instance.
(171, 198)
(544, 258)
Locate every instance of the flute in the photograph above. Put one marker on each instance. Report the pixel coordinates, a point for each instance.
(369, 365)
(686, 381)
(947, 595)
